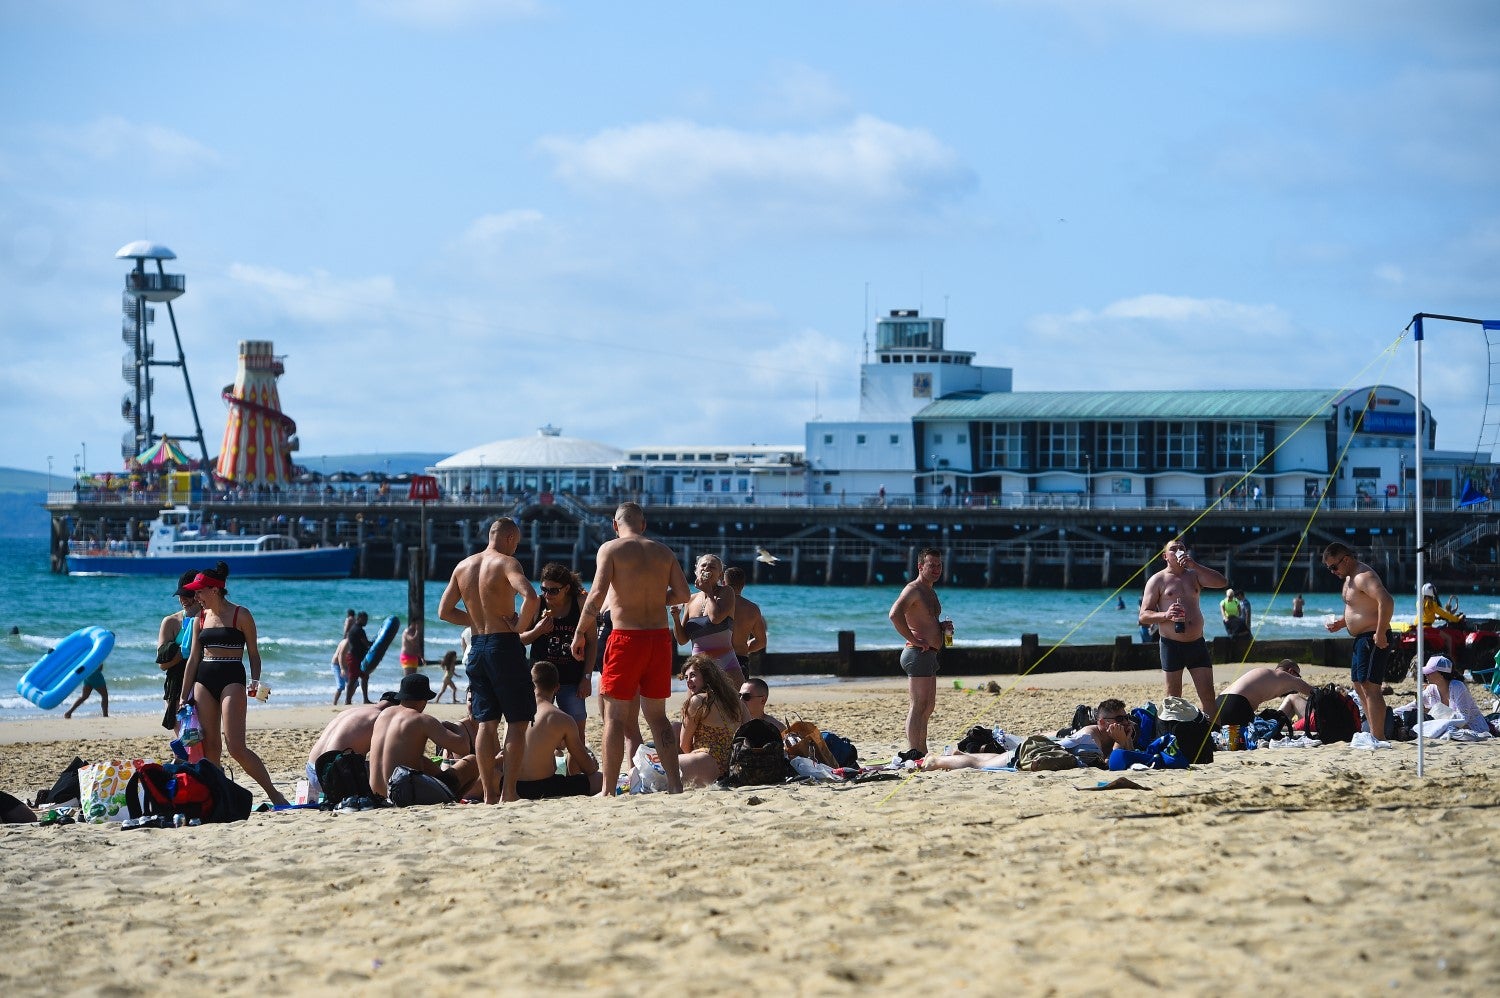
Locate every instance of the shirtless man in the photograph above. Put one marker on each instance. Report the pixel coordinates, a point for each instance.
(749, 624)
(1113, 728)
(755, 694)
(1171, 603)
(487, 584)
(411, 649)
(1237, 704)
(400, 738)
(351, 729)
(637, 578)
(915, 617)
(1367, 617)
(554, 729)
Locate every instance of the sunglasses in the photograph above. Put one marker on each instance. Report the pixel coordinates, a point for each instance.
(749, 696)
(551, 590)
(1115, 717)
(1333, 566)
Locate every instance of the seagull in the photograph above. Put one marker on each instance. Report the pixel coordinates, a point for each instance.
(762, 555)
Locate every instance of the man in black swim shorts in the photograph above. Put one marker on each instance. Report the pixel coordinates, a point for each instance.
(1367, 617)
(1171, 602)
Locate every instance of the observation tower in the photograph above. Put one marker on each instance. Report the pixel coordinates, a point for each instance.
(142, 285)
(258, 437)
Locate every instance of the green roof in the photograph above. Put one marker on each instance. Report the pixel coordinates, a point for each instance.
(1298, 403)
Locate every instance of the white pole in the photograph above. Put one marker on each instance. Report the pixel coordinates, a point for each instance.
(1421, 658)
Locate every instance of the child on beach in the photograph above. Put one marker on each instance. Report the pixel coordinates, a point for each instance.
(450, 662)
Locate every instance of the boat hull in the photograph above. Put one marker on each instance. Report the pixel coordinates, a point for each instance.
(307, 563)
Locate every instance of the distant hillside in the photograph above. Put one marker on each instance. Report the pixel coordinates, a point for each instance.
(22, 494)
(411, 461)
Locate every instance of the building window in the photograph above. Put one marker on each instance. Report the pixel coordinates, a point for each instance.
(1119, 445)
(895, 438)
(1181, 445)
(827, 439)
(963, 438)
(937, 438)
(1237, 445)
(859, 438)
(1059, 445)
(1001, 445)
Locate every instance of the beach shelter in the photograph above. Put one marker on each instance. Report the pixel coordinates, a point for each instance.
(166, 452)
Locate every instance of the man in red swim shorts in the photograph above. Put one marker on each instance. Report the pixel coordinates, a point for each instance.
(637, 578)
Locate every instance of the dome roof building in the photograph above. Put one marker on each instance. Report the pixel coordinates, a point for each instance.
(546, 461)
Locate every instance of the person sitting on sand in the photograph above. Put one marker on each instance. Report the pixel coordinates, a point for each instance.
(1236, 705)
(710, 717)
(400, 740)
(450, 664)
(554, 729)
(1113, 728)
(755, 694)
(352, 729)
(1445, 685)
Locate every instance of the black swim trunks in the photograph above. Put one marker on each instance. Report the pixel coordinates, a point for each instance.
(576, 785)
(1369, 662)
(1231, 708)
(1179, 655)
(500, 679)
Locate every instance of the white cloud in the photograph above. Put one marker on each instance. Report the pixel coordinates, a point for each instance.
(317, 297)
(501, 226)
(160, 151)
(844, 173)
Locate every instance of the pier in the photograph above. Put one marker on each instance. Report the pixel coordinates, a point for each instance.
(1022, 545)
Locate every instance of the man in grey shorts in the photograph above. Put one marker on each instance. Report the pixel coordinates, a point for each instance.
(915, 616)
(1171, 602)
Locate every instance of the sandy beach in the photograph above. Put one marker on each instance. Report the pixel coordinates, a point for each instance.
(1237, 877)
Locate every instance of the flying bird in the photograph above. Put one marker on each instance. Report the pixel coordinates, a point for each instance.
(762, 555)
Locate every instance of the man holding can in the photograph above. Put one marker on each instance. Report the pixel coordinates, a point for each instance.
(1171, 603)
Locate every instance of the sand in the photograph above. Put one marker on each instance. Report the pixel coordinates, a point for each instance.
(1239, 877)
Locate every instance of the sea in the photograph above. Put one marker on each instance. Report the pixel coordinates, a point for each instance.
(300, 622)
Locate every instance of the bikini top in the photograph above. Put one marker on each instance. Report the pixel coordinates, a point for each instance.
(227, 642)
(697, 628)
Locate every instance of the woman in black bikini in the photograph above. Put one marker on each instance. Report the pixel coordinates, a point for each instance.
(214, 678)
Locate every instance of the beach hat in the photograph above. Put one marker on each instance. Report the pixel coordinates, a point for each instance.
(416, 687)
(1429, 590)
(390, 696)
(1437, 663)
(203, 580)
(1179, 709)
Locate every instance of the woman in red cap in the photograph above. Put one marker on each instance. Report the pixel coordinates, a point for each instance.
(215, 675)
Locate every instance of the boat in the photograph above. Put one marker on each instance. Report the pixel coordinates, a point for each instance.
(180, 541)
(61, 670)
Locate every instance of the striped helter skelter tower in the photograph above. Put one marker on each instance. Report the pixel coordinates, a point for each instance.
(258, 438)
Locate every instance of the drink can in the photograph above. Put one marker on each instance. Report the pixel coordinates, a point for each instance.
(263, 692)
(1236, 738)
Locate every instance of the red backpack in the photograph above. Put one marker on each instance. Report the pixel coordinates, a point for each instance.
(157, 790)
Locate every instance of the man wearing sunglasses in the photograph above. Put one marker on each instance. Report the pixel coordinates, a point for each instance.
(1367, 618)
(755, 694)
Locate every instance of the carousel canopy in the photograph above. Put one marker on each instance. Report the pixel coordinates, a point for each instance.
(164, 452)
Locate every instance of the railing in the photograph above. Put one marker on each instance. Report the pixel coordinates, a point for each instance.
(601, 506)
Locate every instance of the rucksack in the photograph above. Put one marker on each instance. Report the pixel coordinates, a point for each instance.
(979, 739)
(1194, 738)
(167, 791)
(1083, 716)
(1038, 753)
(757, 757)
(342, 773)
(1331, 714)
(844, 752)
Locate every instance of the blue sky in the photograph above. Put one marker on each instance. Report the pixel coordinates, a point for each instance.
(651, 223)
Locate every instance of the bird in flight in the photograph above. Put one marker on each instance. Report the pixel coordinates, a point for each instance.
(762, 555)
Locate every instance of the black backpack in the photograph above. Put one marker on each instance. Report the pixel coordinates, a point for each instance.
(980, 739)
(1331, 715)
(758, 757)
(1194, 738)
(342, 773)
(844, 752)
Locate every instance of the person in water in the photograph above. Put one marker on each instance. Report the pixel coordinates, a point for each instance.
(214, 678)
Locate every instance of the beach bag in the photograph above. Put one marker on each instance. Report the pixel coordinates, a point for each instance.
(803, 739)
(167, 791)
(756, 757)
(845, 755)
(408, 787)
(647, 776)
(1283, 724)
(980, 739)
(65, 790)
(1195, 738)
(342, 773)
(1038, 753)
(101, 790)
(1083, 716)
(1145, 725)
(1331, 715)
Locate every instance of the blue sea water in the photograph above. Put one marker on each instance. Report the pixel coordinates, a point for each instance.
(300, 622)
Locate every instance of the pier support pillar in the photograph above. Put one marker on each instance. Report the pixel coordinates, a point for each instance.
(1106, 567)
(1067, 560)
(1028, 556)
(990, 567)
(830, 562)
(870, 567)
(796, 565)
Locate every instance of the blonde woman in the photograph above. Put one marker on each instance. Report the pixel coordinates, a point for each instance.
(709, 619)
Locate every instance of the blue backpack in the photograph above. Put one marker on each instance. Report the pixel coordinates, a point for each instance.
(842, 749)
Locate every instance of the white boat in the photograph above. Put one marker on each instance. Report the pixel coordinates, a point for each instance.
(180, 541)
